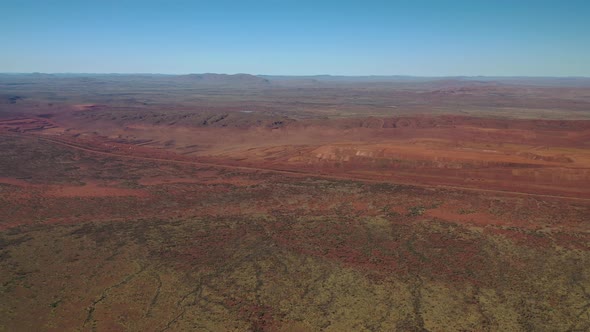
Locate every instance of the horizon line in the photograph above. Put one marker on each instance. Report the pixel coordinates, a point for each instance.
(291, 75)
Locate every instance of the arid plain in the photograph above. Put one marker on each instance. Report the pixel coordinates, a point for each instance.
(240, 202)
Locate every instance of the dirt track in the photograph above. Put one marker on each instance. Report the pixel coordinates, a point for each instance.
(295, 173)
(426, 155)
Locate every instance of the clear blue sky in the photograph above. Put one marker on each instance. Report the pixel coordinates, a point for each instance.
(419, 37)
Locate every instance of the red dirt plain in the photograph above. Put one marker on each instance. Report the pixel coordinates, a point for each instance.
(544, 157)
(125, 217)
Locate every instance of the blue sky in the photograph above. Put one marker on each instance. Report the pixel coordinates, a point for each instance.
(425, 38)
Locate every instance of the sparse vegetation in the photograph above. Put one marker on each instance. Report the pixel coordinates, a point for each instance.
(115, 231)
(466, 211)
(416, 211)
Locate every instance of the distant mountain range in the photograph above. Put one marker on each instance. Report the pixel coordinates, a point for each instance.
(261, 80)
(224, 78)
